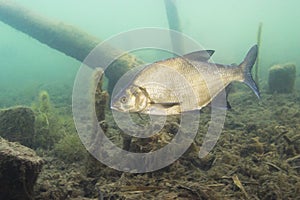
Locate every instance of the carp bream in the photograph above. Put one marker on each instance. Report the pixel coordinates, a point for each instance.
(181, 84)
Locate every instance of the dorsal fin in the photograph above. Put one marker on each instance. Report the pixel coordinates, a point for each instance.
(199, 55)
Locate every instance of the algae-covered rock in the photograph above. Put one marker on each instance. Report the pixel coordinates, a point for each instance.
(17, 125)
(19, 169)
(282, 78)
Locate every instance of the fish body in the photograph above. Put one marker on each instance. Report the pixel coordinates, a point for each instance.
(181, 84)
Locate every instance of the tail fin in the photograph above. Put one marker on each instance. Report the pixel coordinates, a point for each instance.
(246, 66)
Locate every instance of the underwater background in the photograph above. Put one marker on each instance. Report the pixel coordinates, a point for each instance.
(258, 153)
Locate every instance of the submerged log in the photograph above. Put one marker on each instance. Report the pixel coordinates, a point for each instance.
(17, 125)
(19, 170)
(64, 38)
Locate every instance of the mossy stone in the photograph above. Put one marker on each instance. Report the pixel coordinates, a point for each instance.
(282, 78)
(17, 125)
(19, 170)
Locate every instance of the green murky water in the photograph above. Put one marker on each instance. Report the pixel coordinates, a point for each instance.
(229, 27)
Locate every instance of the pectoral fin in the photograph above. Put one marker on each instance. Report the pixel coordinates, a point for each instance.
(167, 105)
(167, 108)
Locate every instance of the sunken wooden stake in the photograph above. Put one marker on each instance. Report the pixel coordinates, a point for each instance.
(257, 59)
(64, 38)
(174, 24)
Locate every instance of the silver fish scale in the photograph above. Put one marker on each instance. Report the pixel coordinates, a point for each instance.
(178, 81)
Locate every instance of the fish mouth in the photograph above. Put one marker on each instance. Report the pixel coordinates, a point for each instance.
(114, 104)
(115, 107)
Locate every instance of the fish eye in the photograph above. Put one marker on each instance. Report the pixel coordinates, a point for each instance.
(123, 99)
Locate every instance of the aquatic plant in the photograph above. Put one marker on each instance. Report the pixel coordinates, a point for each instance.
(48, 125)
(70, 149)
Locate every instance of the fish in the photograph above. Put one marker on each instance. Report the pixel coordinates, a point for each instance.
(181, 84)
